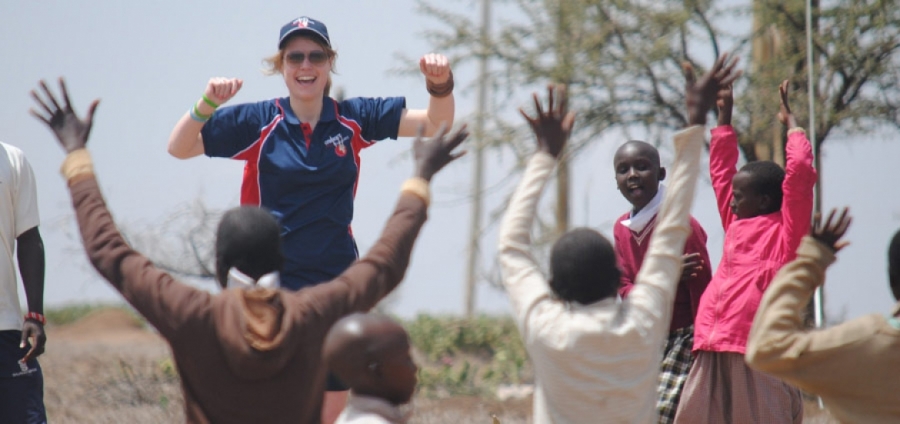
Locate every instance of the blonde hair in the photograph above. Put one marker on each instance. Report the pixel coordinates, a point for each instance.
(274, 64)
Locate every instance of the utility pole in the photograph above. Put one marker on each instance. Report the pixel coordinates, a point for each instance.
(478, 165)
(563, 75)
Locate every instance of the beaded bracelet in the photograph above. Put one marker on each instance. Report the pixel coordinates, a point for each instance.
(37, 317)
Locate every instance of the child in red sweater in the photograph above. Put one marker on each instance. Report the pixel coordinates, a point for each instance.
(765, 212)
(638, 177)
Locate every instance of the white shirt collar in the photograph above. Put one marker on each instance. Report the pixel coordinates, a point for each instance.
(637, 222)
(237, 279)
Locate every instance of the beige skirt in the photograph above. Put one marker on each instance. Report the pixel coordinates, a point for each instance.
(721, 388)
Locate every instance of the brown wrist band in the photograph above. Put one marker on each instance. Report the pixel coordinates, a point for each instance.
(440, 90)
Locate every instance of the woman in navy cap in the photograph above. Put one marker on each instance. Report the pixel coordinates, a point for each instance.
(301, 152)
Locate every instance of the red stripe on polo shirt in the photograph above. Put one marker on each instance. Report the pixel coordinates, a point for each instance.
(357, 143)
(250, 185)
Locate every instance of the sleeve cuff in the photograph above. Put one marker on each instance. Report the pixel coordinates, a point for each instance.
(796, 130)
(818, 252)
(78, 164)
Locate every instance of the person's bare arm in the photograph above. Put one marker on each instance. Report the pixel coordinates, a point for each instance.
(30, 255)
(185, 140)
(441, 105)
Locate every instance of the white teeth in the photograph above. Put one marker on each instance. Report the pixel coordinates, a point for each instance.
(306, 79)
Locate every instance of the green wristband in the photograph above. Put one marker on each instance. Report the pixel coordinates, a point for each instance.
(196, 111)
(209, 102)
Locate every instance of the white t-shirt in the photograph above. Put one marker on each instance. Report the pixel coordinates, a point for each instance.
(18, 213)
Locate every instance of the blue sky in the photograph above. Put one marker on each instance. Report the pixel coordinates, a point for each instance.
(148, 61)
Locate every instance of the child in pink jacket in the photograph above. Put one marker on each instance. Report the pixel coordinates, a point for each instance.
(765, 212)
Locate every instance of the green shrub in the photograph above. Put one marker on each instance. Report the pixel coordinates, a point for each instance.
(467, 356)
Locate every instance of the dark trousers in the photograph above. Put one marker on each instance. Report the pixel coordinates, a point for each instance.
(21, 384)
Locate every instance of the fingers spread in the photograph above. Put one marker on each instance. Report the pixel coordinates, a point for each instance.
(65, 93)
(90, 113)
(39, 116)
(537, 105)
(40, 101)
(568, 122)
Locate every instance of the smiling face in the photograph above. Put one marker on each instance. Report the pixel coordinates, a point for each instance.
(638, 173)
(304, 79)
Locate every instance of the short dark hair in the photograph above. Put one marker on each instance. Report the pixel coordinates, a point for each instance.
(248, 238)
(894, 265)
(583, 267)
(766, 179)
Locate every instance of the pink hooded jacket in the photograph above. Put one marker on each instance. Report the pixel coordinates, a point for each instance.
(755, 248)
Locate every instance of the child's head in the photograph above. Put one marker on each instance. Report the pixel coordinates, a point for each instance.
(756, 189)
(894, 265)
(248, 238)
(370, 353)
(638, 172)
(583, 267)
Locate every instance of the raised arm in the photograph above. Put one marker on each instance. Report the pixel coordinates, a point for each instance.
(185, 140)
(779, 342)
(653, 294)
(441, 105)
(723, 154)
(799, 177)
(521, 275)
(165, 302)
(377, 273)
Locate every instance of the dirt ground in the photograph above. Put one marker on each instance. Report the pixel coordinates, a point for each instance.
(106, 368)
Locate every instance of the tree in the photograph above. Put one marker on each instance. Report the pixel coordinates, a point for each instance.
(623, 63)
(622, 60)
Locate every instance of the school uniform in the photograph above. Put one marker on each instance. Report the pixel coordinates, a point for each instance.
(598, 362)
(632, 234)
(306, 177)
(720, 386)
(852, 366)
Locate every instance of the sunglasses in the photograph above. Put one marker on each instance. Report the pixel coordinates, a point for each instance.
(316, 57)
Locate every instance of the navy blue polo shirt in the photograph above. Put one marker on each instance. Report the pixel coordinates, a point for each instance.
(306, 178)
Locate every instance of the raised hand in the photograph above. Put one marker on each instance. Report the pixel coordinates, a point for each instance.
(785, 116)
(71, 131)
(725, 103)
(435, 67)
(434, 154)
(693, 264)
(831, 233)
(552, 128)
(701, 94)
(33, 332)
(221, 90)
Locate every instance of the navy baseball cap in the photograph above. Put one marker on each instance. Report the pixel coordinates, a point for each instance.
(304, 24)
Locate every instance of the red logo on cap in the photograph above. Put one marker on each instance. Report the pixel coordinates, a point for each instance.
(302, 22)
